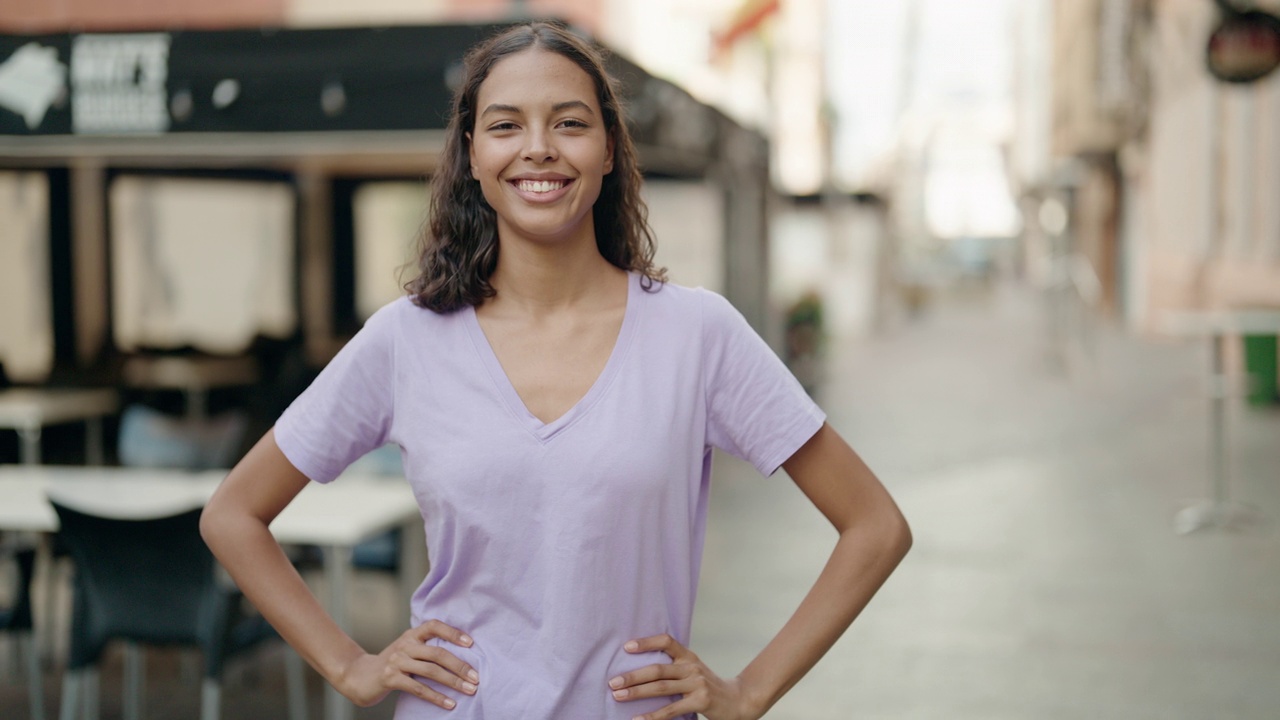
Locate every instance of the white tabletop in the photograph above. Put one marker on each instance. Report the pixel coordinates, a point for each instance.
(34, 407)
(345, 512)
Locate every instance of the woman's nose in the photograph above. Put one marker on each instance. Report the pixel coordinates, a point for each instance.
(539, 146)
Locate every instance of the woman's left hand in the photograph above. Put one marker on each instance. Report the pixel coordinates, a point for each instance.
(702, 691)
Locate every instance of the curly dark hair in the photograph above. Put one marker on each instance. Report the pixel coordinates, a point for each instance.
(458, 248)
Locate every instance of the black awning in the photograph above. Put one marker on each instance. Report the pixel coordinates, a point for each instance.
(139, 85)
(252, 81)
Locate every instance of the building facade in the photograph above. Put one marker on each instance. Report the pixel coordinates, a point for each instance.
(1173, 177)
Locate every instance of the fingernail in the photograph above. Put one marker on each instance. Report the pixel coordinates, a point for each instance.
(619, 694)
(475, 676)
(468, 688)
(449, 703)
(466, 640)
(632, 646)
(615, 683)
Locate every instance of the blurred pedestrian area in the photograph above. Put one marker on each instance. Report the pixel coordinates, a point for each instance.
(1042, 475)
(1024, 253)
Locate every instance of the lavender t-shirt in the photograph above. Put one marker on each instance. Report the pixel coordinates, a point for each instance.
(554, 544)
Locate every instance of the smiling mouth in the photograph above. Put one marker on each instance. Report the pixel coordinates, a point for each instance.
(540, 186)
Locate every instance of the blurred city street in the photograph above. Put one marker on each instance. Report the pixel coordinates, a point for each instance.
(1046, 580)
(996, 240)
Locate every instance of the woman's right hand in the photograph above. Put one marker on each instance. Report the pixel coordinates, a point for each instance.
(369, 678)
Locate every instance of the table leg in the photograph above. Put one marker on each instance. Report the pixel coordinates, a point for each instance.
(1218, 512)
(337, 568)
(93, 448)
(46, 609)
(197, 404)
(30, 444)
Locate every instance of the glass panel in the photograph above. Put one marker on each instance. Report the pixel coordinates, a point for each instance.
(201, 263)
(388, 217)
(26, 323)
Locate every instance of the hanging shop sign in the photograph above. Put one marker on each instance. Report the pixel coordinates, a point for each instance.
(1244, 48)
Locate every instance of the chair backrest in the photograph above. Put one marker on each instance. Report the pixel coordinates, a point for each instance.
(150, 581)
(17, 615)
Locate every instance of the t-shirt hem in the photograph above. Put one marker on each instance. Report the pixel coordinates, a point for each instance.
(799, 432)
(290, 446)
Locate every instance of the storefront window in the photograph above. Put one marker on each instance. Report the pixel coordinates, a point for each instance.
(26, 325)
(200, 263)
(388, 217)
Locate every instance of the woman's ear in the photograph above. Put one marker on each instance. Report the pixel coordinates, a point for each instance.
(608, 161)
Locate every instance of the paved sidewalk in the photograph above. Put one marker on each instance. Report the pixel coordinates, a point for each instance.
(1046, 580)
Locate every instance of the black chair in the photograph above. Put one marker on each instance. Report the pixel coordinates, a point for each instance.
(152, 581)
(16, 620)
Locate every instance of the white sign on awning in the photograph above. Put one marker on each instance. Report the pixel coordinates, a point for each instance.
(118, 83)
(31, 81)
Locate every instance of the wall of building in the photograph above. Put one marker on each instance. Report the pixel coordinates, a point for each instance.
(1211, 177)
(1176, 176)
(46, 16)
(39, 16)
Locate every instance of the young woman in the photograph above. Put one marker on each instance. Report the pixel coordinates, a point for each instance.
(556, 403)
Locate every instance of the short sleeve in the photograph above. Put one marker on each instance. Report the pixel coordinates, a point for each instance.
(756, 409)
(347, 411)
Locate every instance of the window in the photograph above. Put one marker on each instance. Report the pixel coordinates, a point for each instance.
(26, 324)
(388, 217)
(205, 263)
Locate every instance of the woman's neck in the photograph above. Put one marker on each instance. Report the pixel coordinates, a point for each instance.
(537, 279)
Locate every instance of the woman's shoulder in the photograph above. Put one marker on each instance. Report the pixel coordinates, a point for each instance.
(700, 306)
(678, 298)
(404, 308)
(403, 316)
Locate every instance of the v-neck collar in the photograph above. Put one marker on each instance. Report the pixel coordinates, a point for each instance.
(544, 432)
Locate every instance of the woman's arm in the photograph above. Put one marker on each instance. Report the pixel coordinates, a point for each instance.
(235, 526)
(874, 538)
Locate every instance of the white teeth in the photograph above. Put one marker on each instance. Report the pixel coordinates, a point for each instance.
(540, 186)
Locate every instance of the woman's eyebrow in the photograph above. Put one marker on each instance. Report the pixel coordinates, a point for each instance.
(575, 104)
(558, 107)
(500, 108)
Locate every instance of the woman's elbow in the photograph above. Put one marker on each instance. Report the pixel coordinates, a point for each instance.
(221, 522)
(889, 531)
(899, 538)
(212, 524)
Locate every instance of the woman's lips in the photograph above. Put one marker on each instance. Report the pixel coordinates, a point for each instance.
(541, 190)
(540, 186)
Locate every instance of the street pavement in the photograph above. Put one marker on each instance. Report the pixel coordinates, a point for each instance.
(1046, 580)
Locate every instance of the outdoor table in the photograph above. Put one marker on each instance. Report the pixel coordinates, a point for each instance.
(195, 376)
(1219, 511)
(30, 410)
(335, 517)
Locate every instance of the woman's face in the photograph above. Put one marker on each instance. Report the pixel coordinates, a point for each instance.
(539, 147)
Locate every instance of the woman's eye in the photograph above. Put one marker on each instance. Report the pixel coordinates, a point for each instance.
(572, 124)
(503, 126)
